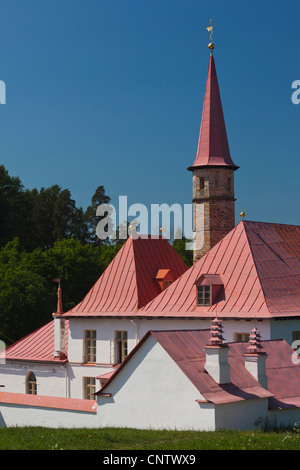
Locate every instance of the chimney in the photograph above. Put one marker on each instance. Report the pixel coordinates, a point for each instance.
(217, 355)
(255, 359)
(59, 326)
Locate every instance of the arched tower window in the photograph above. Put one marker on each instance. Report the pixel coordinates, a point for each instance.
(31, 384)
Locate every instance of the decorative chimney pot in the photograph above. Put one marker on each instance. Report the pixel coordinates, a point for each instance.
(217, 351)
(255, 359)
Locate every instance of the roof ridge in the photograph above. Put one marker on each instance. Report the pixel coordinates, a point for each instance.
(269, 223)
(255, 265)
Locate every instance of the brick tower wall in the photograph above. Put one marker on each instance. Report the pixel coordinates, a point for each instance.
(213, 203)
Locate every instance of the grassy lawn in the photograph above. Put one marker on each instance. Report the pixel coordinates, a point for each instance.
(131, 439)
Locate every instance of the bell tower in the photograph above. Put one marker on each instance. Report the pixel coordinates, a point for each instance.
(213, 171)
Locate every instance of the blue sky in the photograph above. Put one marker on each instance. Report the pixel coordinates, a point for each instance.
(110, 92)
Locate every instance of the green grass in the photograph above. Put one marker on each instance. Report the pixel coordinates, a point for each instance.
(131, 439)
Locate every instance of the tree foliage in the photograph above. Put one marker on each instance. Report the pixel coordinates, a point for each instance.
(39, 218)
(43, 236)
(179, 245)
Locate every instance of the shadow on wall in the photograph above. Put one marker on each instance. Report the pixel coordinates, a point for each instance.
(2, 421)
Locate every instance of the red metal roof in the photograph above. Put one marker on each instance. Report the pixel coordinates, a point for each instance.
(130, 281)
(37, 346)
(283, 374)
(213, 149)
(186, 348)
(259, 264)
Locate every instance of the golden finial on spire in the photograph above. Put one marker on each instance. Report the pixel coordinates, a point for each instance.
(242, 214)
(211, 45)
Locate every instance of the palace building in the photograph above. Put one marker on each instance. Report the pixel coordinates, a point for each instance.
(215, 338)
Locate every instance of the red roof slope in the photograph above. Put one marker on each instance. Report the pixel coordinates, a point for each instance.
(186, 348)
(283, 374)
(37, 346)
(276, 253)
(213, 149)
(129, 282)
(259, 264)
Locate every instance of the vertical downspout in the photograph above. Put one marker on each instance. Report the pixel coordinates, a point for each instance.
(137, 337)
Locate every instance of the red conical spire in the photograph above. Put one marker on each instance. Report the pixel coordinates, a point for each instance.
(213, 148)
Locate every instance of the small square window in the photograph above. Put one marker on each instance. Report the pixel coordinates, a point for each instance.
(295, 337)
(203, 295)
(166, 284)
(241, 337)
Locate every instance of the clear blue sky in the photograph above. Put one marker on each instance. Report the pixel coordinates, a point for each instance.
(110, 92)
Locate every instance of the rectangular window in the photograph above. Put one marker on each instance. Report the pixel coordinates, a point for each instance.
(90, 346)
(89, 388)
(295, 337)
(241, 337)
(203, 295)
(121, 348)
(202, 182)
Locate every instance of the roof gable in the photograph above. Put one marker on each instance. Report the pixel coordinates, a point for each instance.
(209, 280)
(186, 348)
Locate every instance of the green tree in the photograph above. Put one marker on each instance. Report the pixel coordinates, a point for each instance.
(179, 245)
(79, 227)
(14, 207)
(92, 219)
(24, 295)
(77, 265)
(63, 215)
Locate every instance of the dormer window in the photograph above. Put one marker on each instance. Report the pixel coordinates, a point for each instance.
(209, 288)
(203, 295)
(164, 278)
(166, 284)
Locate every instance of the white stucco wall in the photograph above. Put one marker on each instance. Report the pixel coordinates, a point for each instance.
(22, 415)
(152, 392)
(68, 381)
(246, 414)
(137, 328)
(284, 418)
(51, 378)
